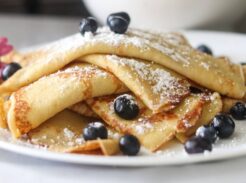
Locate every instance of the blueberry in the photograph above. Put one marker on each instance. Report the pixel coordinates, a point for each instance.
(238, 111)
(224, 125)
(207, 132)
(126, 107)
(88, 24)
(95, 130)
(118, 22)
(9, 70)
(121, 14)
(197, 145)
(205, 49)
(243, 63)
(129, 145)
(195, 90)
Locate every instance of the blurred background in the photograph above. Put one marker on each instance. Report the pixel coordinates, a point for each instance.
(52, 19)
(70, 8)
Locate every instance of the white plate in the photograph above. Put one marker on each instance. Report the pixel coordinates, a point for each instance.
(232, 45)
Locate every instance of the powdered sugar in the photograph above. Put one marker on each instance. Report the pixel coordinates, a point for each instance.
(142, 126)
(130, 98)
(162, 83)
(68, 133)
(205, 65)
(171, 45)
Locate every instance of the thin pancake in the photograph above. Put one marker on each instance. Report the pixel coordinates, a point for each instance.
(63, 133)
(158, 88)
(153, 130)
(212, 107)
(29, 108)
(182, 58)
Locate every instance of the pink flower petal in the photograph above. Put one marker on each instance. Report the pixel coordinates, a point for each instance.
(3, 40)
(5, 49)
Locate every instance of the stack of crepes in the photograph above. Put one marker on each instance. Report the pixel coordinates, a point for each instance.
(68, 83)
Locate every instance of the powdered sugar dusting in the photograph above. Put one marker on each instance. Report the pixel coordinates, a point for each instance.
(68, 133)
(169, 44)
(162, 83)
(142, 126)
(130, 98)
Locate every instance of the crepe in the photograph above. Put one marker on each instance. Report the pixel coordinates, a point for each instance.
(244, 72)
(182, 58)
(228, 103)
(83, 109)
(3, 122)
(211, 107)
(160, 89)
(29, 107)
(13, 56)
(63, 133)
(152, 129)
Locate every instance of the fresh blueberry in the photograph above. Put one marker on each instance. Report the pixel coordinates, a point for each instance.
(121, 14)
(224, 125)
(126, 107)
(118, 22)
(238, 111)
(195, 90)
(205, 49)
(243, 63)
(129, 145)
(88, 24)
(94, 131)
(9, 70)
(207, 132)
(197, 145)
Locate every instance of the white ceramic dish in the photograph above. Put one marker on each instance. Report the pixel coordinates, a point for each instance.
(171, 14)
(222, 44)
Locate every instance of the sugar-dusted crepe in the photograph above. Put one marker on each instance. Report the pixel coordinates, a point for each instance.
(32, 105)
(153, 130)
(159, 88)
(63, 133)
(212, 106)
(182, 58)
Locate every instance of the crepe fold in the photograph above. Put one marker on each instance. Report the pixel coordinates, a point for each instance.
(160, 89)
(169, 50)
(32, 105)
(63, 133)
(155, 129)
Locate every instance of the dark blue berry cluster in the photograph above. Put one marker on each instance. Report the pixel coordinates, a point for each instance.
(117, 22)
(222, 126)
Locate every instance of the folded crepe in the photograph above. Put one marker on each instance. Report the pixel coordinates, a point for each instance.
(152, 129)
(212, 106)
(228, 103)
(167, 51)
(29, 107)
(63, 133)
(155, 68)
(160, 89)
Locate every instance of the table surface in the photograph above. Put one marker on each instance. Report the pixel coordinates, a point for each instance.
(26, 31)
